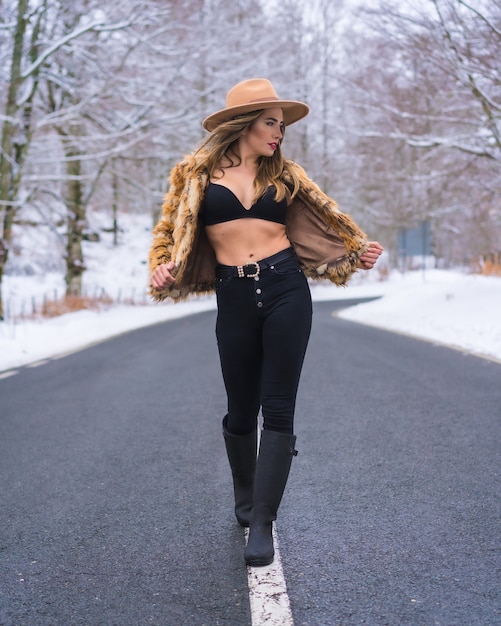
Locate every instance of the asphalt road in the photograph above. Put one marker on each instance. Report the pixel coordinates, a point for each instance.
(116, 504)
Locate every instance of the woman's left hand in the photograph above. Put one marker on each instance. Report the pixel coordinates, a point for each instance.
(371, 255)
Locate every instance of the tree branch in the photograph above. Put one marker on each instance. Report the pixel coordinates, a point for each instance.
(482, 17)
(97, 26)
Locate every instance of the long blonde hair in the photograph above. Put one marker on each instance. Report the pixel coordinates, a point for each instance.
(220, 145)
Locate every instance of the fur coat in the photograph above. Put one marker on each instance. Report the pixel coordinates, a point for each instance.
(327, 242)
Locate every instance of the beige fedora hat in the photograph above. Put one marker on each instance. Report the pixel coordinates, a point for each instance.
(251, 95)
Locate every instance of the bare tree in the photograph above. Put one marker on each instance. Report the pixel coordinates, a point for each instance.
(98, 100)
(427, 88)
(27, 26)
(23, 26)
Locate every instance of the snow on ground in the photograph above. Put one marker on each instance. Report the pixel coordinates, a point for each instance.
(447, 307)
(450, 308)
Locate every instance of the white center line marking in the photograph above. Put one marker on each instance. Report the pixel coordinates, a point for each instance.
(8, 373)
(38, 363)
(269, 602)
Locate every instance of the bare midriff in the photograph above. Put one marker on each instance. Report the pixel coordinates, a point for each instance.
(248, 240)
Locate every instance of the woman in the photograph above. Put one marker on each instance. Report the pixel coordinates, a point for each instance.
(243, 221)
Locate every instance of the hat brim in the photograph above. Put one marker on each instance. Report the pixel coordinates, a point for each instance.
(292, 110)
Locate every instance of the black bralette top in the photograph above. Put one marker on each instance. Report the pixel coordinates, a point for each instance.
(221, 205)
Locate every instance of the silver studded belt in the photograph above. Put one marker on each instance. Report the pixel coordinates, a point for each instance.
(252, 270)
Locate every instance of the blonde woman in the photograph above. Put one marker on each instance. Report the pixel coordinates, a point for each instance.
(241, 220)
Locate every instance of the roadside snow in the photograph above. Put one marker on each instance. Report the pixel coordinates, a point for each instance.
(451, 308)
(454, 309)
(448, 307)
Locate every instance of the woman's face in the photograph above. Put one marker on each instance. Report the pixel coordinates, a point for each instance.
(263, 137)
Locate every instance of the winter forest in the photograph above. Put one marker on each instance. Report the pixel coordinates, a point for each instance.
(99, 99)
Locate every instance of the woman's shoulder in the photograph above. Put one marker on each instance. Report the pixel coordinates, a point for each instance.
(295, 175)
(307, 189)
(290, 165)
(294, 170)
(188, 167)
(189, 162)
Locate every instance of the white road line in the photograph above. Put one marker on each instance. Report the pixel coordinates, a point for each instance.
(8, 373)
(269, 602)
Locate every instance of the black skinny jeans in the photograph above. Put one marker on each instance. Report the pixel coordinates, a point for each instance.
(262, 329)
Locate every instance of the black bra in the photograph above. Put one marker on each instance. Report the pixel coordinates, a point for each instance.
(221, 205)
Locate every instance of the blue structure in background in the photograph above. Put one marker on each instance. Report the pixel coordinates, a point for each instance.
(414, 242)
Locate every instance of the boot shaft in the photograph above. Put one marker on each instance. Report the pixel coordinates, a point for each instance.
(276, 451)
(242, 451)
(274, 462)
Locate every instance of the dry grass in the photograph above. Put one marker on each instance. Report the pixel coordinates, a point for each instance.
(53, 306)
(70, 304)
(491, 268)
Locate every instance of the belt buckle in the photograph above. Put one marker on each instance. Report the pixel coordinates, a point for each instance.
(242, 272)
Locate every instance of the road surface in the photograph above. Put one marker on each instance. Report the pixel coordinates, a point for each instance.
(116, 503)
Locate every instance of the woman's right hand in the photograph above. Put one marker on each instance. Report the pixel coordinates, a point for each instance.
(161, 277)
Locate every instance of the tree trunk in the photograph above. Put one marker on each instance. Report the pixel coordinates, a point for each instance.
(9, 165)
(76, 218)
(115, 206)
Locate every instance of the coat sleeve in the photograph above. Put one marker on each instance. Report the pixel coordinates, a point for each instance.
(328, 242)
(163, 239)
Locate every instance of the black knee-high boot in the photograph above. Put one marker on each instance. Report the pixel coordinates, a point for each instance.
(273, 465)
(242, 451)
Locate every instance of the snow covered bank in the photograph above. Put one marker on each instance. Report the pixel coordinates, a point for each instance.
(451, 308)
